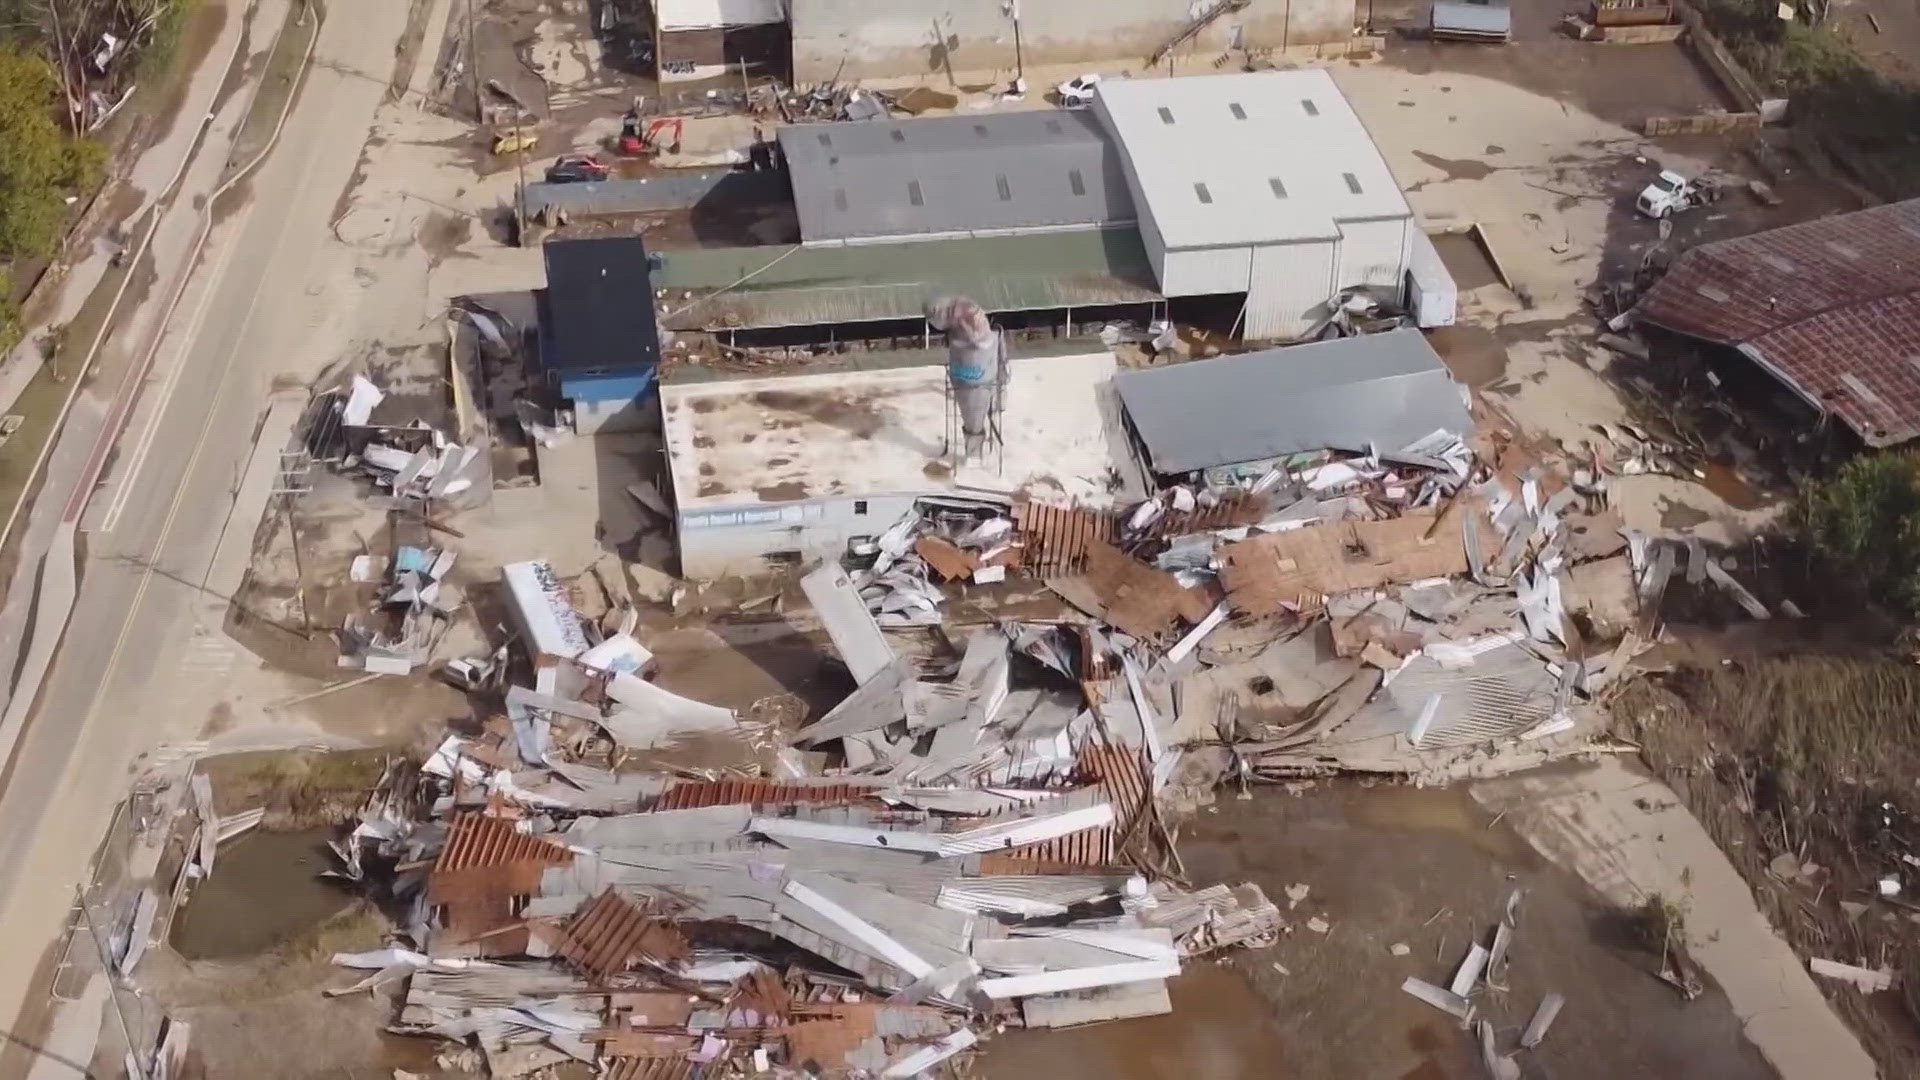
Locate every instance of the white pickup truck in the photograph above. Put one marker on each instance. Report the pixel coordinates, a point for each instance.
(1670, 192)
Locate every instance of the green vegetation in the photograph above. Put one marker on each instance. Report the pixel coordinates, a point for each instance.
(156, 53)
(1865, 522)
(1835, 93)
(1832, 736)
(39, 163)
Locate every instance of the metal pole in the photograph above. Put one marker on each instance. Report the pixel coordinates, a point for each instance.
(1019, 60)
(473, 68)
(100, 947)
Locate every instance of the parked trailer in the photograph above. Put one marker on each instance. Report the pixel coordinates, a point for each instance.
(1471, 20)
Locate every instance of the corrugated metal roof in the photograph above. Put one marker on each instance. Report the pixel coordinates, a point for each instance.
(1122, 779)
(953, 174)
(482, 869)
(676, 189)
(1377, 390)
(1831, 307)
(698, 794)
(476, 841)
(1229, 160)
(873, 282)
(612, 931)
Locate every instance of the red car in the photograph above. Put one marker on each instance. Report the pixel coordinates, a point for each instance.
(577, 169)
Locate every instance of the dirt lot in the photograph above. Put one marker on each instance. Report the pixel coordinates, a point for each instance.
(1387, 865)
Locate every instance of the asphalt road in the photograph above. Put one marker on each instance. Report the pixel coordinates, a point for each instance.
(142, 654)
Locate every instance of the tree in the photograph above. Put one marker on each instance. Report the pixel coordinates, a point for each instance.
(39, 163)
(1866, 521)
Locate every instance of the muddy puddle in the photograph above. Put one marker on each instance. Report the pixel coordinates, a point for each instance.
(1471, 353)
(1466, 260)
(1219, 1027)
(265, 890)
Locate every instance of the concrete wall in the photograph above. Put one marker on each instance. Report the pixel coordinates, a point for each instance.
(716, 541)
(860, 38)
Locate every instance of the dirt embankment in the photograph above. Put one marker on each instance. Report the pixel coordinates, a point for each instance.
(1803, 769)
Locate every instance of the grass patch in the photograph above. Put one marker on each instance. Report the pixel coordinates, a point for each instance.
(359, 928)
(1835, 92)
(299, 788)
(164, 44)
(1818, 733)
(1813, 758)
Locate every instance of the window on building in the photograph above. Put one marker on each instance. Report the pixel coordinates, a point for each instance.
(860, 506)
(1201, 191)
(1279, 189)
(1353, 183)
(1310, 107)
(1166, 115)
(1238, 112)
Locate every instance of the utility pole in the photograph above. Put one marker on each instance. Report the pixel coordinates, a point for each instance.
(1019, 60)
(473, 68)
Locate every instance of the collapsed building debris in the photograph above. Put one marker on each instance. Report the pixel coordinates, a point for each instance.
(861, 924)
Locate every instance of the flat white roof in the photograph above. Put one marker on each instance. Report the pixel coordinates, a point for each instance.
(707, 14)
(854, 434)
(1231, 160)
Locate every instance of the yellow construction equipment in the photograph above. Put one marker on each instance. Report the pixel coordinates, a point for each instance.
(515, 139)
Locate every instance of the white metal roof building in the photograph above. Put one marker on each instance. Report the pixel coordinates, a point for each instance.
(1265, 184)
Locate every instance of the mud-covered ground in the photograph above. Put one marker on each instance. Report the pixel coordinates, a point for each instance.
(1386, 865)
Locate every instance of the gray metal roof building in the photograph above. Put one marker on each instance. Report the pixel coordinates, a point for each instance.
(1376, 391)
(954, 175)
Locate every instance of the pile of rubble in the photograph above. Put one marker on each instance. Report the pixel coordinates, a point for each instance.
(413, 608)
(415, 464)
(1416, 612)
(615, 874)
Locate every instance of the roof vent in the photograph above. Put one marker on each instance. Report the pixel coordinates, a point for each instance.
(1166, 115)
(1238, 112)
(1353, 183)
(1006, 192)
(1310, 107)
(1201, 191)
(1077, 182)
(913, 193)
(1279, 189)
(1712, 292)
